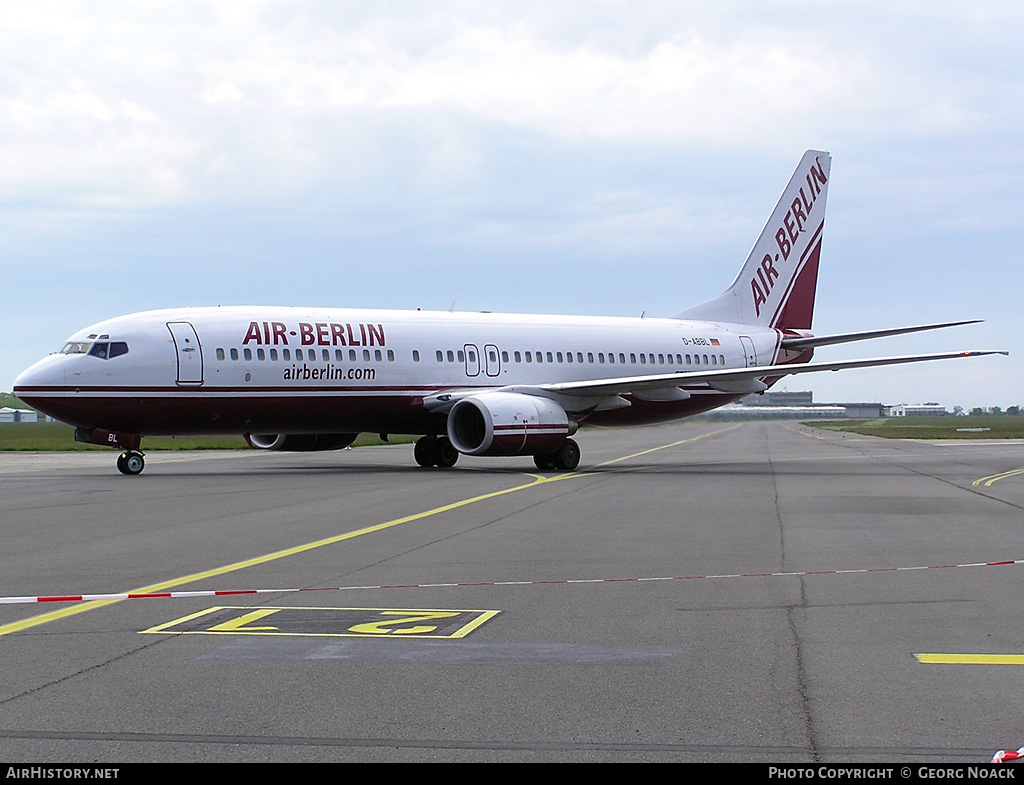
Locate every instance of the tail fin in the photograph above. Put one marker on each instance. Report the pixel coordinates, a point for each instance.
(775, 287)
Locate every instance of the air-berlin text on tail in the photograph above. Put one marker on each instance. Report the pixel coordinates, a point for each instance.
(786, 236)
(315, 334)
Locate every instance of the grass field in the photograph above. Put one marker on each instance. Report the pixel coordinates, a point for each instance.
(999, 427)
(48, 436)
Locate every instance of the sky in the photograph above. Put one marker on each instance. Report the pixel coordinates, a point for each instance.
(600, 157)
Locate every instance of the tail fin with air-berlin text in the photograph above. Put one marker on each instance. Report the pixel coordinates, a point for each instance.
(776, 285)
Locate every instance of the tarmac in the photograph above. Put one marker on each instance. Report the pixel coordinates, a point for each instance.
(701, 591)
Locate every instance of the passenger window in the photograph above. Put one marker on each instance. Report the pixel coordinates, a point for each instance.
(326, 355)
(286, 354)
(366, 355)
(551, 359)
(234, 354)
(273, 355)
(529, 357)
(440, 356)
(261, 355)
(377, 355)
(391, 356)
(351, 355)
(220, 354)
(415, 355)
(247, 353)
(519, 357)
(338, 355)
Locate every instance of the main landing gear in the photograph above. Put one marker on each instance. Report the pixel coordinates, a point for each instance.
(435, 451)
(438, 451)
(565, 458)
(131, 462)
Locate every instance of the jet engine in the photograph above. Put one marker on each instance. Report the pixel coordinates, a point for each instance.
(500, 423)
(300, 442)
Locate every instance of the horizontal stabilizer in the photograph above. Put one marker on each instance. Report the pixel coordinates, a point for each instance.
(829, 340)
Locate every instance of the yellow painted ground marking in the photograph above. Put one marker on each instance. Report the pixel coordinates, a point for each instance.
(971, 659)
(339, 622)
(393, 626)
(240, 624)
(663, 447)
(538, 480)
(993, 478)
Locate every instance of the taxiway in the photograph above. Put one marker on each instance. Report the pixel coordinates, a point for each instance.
(730, 661)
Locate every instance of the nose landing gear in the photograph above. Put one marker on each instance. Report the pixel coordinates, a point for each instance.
(131, 462)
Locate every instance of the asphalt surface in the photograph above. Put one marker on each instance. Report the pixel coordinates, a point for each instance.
(728, 661)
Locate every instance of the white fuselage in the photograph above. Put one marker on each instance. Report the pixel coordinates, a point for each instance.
(242, 369)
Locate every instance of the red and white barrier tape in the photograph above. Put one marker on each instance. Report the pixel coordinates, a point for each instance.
(175, 595)
(1007, 755)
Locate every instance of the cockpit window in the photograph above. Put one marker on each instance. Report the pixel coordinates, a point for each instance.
(99, 349)
(105, 350)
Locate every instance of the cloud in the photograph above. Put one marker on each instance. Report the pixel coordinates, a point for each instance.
(169, 104)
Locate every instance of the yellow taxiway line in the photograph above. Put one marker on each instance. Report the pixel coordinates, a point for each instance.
(970, 659)
(993, 478)
(537, 481)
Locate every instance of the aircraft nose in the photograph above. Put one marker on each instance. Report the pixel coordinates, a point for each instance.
(40, 377)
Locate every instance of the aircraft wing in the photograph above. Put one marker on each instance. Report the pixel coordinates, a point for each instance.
(734, 379)
(665, 386)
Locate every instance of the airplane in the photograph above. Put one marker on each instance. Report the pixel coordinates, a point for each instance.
(482, 384)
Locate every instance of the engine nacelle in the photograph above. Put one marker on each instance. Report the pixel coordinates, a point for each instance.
(499, 423)
(300, 442)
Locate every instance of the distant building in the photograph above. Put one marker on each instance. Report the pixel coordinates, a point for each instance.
(780, 398)
(918, 410)
(863, 411)
(820, 412)
(804, 399)
(7, 414)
